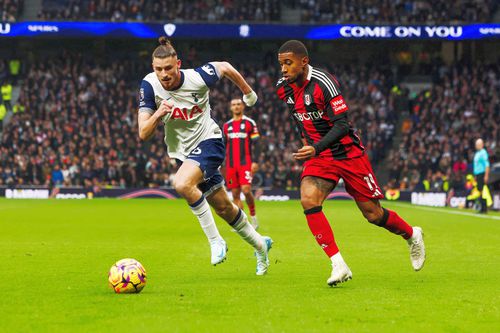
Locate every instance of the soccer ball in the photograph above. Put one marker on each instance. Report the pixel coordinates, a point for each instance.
(127, 276)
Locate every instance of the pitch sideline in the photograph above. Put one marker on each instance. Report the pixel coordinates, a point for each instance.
(446, 211)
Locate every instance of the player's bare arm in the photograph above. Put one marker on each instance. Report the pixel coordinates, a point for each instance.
(225, 69)
(148, 122)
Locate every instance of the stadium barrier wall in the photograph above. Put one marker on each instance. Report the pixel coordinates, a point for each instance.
(432, 199)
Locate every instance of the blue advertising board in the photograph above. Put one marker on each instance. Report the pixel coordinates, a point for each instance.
(258, 31)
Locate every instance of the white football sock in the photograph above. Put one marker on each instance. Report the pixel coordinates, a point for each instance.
(202, 211)
(247, 232)
(337, 258)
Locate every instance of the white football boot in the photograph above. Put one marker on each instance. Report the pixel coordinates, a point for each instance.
(417, 248)
(340, 271)
(263, 258)
(254, 222)
(218, 248)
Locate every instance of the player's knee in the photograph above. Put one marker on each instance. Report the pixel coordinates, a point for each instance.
(224, 208)
(246, 190)
(182, 187)
(374, 216)
(309, 202)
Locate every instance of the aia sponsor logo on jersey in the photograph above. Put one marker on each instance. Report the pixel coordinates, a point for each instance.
(186, 114)
(338, 105)
(316, 115)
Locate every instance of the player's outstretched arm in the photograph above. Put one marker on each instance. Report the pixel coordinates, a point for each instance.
(148, 122)
(225, 69)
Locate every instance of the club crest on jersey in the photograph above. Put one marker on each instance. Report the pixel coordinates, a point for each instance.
(307, 99)
(242, 126)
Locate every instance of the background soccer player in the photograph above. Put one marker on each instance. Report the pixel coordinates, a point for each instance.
(179, 98)
(242, 152)
(332, 150)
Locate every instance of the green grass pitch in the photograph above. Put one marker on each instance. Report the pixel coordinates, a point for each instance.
(55, 257)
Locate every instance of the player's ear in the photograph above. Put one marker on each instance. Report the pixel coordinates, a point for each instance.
(305, 61)
(179, 62)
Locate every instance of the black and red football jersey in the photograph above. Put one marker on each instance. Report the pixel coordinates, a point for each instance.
(238, 135)
(315, 107)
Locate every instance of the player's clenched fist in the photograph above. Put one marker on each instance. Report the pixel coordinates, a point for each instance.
(305, 153)
(250, 99)
(165, 108)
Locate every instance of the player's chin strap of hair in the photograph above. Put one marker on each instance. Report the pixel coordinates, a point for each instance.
(339, 129)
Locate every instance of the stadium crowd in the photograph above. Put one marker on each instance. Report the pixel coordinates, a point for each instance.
(400, 11)
(10, 10)
(80, 128)
(437, 147)
(162, 10)
(310, 11)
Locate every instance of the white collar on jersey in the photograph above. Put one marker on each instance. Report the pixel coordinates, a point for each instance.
(310, 73)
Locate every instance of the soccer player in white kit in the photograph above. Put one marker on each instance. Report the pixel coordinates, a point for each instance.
(180, 98)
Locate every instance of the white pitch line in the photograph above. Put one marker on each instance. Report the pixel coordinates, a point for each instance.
(490, 217)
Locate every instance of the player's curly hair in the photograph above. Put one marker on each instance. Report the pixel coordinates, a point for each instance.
(165, 49)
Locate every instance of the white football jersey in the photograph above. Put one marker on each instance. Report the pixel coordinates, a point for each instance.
(190, 122)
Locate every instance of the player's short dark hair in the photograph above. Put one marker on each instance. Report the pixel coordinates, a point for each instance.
(294, 46)
(165, 49)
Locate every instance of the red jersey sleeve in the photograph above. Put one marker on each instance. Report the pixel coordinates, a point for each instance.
(254, 131)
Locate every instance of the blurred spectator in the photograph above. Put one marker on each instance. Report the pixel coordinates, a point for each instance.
(6, 91)
(10, 10)
(57, 175)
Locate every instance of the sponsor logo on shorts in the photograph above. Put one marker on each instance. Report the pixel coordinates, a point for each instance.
(196, 151)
